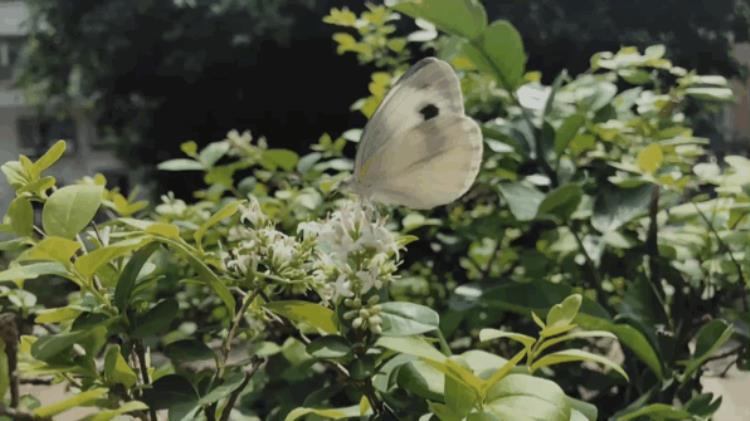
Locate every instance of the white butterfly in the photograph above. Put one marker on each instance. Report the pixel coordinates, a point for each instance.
(419, 149)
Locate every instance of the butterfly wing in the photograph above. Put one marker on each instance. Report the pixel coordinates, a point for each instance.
(429, 165)
(428, 89)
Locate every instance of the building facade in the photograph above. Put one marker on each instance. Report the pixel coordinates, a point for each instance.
(26, 129)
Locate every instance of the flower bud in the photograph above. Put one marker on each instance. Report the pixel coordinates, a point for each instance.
(376, 329)
(364, 313)
(349, 315)
(374, 320)
(357, 323)
(373, 300)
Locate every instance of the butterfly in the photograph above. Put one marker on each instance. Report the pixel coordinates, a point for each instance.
(419, 149)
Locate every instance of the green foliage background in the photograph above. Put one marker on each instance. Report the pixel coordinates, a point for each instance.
(601, 229)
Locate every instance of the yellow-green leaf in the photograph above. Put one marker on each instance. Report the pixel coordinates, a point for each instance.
(650, 159)
(108, 414)
(21, 215)
(220, 215)
(52, 249)
(70, 209)
(50, 157)
(164, 229)
(56, 315)
(305, 312)
(116, 369)
(81, 399)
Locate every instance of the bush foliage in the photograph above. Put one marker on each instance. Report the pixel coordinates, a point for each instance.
(593, 269)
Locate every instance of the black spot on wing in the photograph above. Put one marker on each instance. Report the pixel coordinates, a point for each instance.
(429, 111)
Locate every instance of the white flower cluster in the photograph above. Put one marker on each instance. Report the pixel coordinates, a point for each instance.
(355, 252)
(261, 250)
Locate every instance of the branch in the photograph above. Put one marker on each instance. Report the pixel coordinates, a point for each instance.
(236, 393)
(596, 279)
(141, 355)
(226, 346)
(723, 247)
(9, 335)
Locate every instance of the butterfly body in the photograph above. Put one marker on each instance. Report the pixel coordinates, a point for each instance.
(419, 149)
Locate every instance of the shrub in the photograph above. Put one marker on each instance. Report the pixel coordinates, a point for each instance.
(598, 217)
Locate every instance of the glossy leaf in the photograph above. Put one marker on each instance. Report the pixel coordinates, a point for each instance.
(81, 399)
(499, 51)
(311, 314)
(464, 18)
(70, 209)
(404, 319)
(575, 355)
(21, 215)
(129, 274)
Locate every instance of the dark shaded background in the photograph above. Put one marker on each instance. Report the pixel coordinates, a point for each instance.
(158, 73)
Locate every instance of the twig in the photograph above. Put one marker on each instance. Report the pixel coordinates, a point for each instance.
(725, 248)
(17, 415)
(723, 355)
(226, 346)
(140, 353)
(9, 335)
(596, 279)
(236, 393)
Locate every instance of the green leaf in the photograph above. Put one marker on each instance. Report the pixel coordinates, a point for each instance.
(205, 274)
(499, 52)
(163, 229)
(21, 215)
(223, 213)
(108, 414)
(492, 334)
(587, 410)
(523, 199)
(540, 296)
(311, 314)
(175, 393)
(404, 319)
(464, 18)
(458, 396)
(181, 164)
(567, 131)
(331, 346)
(562, 201)
(56, 315)
(411, 345)
(70, 209)
(331, 413)
(657, 411)
(231, 382)
(212, 153)
(615, 207)
(188, 350)
(52, 155)
(711, 336)
(116, 369)
(81, 399)
(33, 271)
(710, 93)
(582, 334)
(283, 158)
(48, 347)
(156, 320)
(88, 264)
(560, 316)
(52, 248)
(421, 379)
(574, 355)
(650, 158)
(499, 374)
(128, 276)
(524, 397)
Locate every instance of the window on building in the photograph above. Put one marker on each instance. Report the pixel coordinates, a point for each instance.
(10, 49)
(36, 134)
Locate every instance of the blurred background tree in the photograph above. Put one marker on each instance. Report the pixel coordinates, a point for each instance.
(156, 73)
